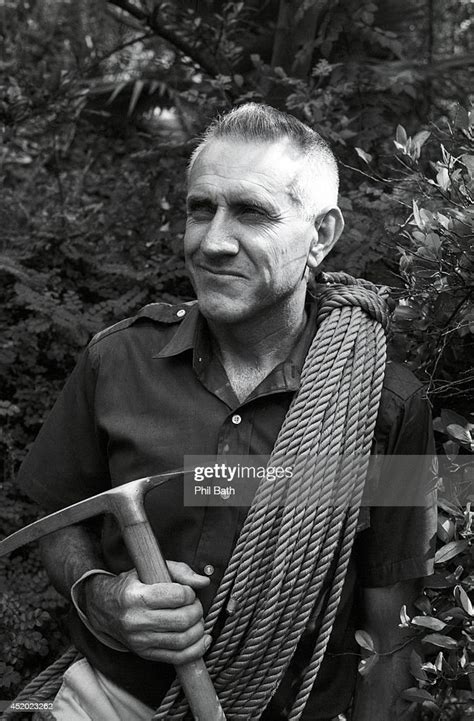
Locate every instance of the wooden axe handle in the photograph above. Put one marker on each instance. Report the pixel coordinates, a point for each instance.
(151, 568)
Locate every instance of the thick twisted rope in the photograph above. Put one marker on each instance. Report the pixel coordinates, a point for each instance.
(298, 535)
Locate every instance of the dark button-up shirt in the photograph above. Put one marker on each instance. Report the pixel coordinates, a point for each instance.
(149, 391)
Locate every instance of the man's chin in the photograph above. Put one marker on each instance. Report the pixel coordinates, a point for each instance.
(221, 312)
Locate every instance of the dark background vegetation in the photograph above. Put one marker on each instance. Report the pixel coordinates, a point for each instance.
(101, 102)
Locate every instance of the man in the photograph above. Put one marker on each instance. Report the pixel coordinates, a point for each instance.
(217, 377)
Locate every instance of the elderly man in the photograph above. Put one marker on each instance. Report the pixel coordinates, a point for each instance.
(217, 377)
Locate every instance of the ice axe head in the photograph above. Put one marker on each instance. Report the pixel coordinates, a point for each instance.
(124, 502)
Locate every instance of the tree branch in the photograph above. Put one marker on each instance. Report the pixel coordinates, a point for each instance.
(181, 44)
(130, 9)
(138, 39)
(441, 65)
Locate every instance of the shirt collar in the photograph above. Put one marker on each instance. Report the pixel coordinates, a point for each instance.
(185, 336)
(193, 334)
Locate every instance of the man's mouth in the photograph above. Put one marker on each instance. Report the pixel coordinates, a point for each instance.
(230, 272)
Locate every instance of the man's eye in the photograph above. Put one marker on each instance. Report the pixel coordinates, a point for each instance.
(201, 212)
(252, 211)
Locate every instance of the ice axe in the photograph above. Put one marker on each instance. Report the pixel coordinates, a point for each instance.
(126, 504)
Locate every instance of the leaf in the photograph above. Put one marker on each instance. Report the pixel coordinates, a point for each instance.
(433, 240)
(448, 416)
(461, 119)
(416, 669)
(464, 601)
(137, 90)
(452, 614)
(423, 604)
(429, 622)
(450, 508)
(421, 138)
(459, 433)
(457, 574)
(115, 92)
(366, 157)
(451, 449)
(406, 312)
(437, 639)
(365, 641)
(404, 617)
(443, 179)
(417, 695)
(401, 135)
(446, 528)
(452, 549)
(469, 581)
(439, 581)
(444, 221)
(468, 162)
(417, 216)
(367, 664)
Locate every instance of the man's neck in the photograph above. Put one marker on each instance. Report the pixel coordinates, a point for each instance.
(251, 350)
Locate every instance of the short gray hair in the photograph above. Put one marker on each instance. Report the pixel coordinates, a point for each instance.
(316, 188)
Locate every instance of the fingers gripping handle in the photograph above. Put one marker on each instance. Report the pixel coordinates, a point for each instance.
(151, 568)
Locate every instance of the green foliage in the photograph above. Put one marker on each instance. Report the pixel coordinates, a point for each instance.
(28, 604)
(89, 235)
(434, 321)
(443, 668)
(433, 333)
(445, 620)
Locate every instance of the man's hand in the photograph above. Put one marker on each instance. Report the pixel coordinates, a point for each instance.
(160, 622)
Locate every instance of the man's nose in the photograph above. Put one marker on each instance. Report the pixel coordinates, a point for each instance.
(219, 238)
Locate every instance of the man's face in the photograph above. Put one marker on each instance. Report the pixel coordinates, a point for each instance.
(247, 239)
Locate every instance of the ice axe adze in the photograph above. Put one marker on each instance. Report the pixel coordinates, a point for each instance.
(125, 503)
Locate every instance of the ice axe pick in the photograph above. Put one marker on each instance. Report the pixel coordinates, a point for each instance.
(126, 504)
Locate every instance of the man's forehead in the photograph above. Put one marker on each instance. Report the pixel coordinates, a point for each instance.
(239, 149)
(246, 165)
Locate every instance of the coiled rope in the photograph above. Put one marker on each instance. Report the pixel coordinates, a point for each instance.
(298, 535)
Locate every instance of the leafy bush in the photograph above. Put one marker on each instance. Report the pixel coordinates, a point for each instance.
(433, 333)
(437, 262)
(92, 236)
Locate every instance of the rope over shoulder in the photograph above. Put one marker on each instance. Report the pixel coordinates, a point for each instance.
(335, 290)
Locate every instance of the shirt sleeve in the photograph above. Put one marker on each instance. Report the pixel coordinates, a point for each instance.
(399, 544)
(67, 461)
(76, 598)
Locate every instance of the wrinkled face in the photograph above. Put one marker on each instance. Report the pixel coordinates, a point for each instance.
(247, 239)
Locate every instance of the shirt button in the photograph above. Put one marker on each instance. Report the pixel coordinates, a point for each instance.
(181, 312)
(209, 570)
(236, 420)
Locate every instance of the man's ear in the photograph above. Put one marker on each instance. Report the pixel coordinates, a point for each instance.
(328, 227)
